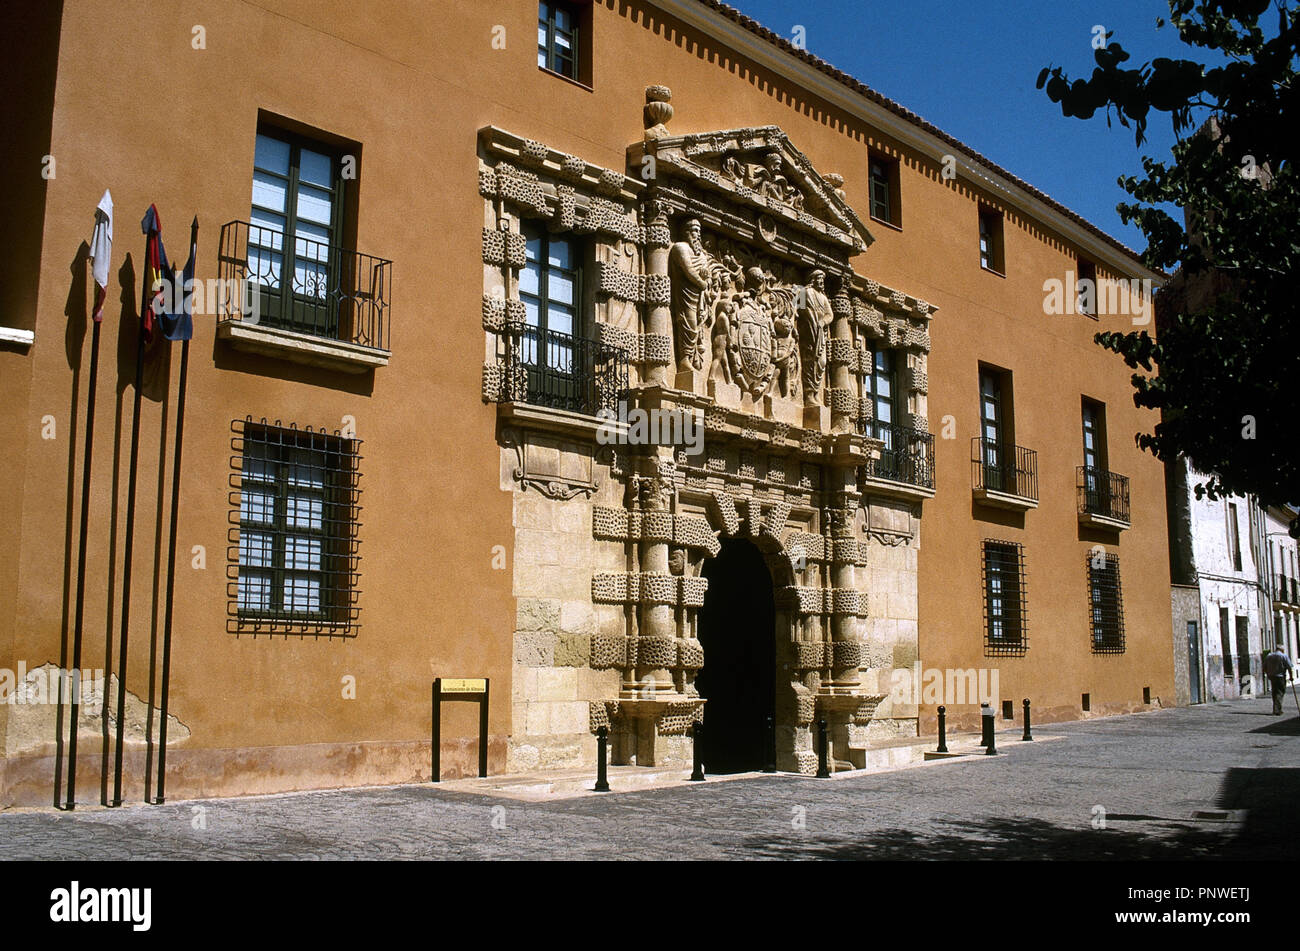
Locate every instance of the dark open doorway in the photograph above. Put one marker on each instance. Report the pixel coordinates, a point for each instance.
(737, 629)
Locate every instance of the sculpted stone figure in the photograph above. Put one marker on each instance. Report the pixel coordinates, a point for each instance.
(690, 269)
(814, 322)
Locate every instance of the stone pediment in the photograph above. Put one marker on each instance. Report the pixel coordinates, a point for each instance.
(760, 168)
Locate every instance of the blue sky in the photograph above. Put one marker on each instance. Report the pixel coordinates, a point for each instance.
(970, 69)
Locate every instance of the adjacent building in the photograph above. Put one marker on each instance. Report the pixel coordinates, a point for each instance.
(654, 371)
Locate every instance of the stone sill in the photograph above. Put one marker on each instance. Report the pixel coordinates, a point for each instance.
(1092, 520)
(302, 348)
(24, 338)
(1004, 500)
(897, 490)
(562, 421)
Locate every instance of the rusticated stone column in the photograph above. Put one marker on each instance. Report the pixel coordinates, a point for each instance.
(843, 389)
(846, 644)
(658, 354)
(657, 643)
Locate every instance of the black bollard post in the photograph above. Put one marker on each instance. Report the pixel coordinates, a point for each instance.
(985, 723)
(770, 754)
(697, 774)
(823, 765)
(943, 730)
(1028, 736)
(991, 747)
(602, 738)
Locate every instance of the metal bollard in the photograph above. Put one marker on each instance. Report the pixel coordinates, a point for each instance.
(985, 723)
(697, 774)
(991, 747)
(943, 730)
(823, 742)
(771, 746)
(1028, 736)
(602, 738)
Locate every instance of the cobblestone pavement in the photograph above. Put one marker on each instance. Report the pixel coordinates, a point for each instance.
(1150, 774)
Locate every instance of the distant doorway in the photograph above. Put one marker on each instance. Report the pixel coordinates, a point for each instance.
(737, 629)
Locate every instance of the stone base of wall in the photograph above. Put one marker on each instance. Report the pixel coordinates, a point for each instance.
(28, 780)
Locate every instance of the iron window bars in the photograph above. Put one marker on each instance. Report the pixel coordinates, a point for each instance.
(999, 467)
(907, 456)
(293, 554)
(1005, 599)
(1106, 604)
(548, 368)
(329, 292)
(1102, 493)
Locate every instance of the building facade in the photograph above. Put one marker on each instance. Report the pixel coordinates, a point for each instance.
(627, 369)
(1224, 605)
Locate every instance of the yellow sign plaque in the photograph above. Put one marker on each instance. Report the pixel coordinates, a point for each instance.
(463, 685)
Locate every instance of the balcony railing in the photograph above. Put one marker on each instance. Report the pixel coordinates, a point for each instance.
(1004, 468)
(547, 368)
(1102, 493)
(907, 456)
(319, 289)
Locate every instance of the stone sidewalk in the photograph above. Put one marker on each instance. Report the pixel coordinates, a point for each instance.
(1215, 781)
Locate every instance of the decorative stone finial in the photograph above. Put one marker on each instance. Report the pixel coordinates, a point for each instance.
(658, 111)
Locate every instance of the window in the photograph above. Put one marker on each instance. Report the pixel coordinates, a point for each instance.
(296, 557)
(991, 258)
(1095, 482)
(550, 286)
(1107, 603)
(881, 386)
(1087, 293)
(1234, 540)
(1004, 598)
(559, 34)
(992, 448)
(883, 189)
(297, 192)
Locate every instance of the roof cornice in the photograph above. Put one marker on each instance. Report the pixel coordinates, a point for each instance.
(707, 17)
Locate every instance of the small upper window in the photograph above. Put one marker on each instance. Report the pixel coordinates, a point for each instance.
(1086, 288)
(991, 258)
(882, 175)
(558, 38)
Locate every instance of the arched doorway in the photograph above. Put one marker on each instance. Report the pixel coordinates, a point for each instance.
(737, 629)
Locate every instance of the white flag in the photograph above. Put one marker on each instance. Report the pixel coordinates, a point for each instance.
(101, 250)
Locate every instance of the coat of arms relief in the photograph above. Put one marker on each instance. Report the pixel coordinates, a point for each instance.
(748, 319)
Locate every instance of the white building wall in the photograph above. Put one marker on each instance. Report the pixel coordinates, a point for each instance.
(1230, 579)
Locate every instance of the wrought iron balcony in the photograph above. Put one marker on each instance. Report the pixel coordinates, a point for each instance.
(1003, 475)
(307, 287)
(560, 371)
(1103, 498)
(907, 456)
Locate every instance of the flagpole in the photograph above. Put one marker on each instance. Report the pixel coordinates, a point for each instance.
(81, 572)
(171, 544)
(145, 300)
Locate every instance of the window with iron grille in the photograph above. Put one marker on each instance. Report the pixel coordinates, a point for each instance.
(558, 38)
(1004, 598)
(1106, 603)
(294, 554)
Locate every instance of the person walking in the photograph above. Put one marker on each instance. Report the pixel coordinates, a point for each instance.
(1277, 667)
